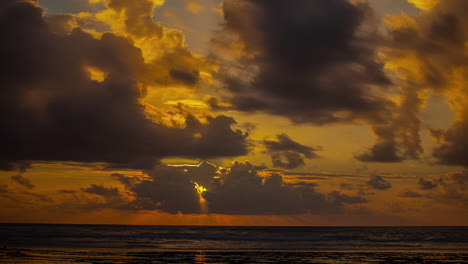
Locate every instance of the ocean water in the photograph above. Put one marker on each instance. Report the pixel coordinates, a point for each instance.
(98, 244)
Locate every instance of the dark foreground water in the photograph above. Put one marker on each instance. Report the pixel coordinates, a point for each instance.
(98, 244)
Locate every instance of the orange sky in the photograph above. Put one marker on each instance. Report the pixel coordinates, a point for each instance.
(308, 113)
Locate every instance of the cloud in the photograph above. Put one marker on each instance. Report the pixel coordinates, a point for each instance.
(451, 189)
(193, 6)
(460, 178)
(310, 61)
(20, 166)
(424, 4)
(3, 189)
(453, 150)
(379, 183)
(53, 109)
(101, 190)
(67, 191)
(410, 194)
(167, 189)
(23, 181)
(277, 60)
(385, 151)
(292, 151)
(430, 52)
(347, 186)
(240, 189)
(398, 138)
(427, 184)
(138, 17)
(338, 198)
(424, 54)
(189, 78)
(127, 181)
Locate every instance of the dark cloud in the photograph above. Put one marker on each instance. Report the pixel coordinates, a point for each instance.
(451, 189)
(20, 166)
(127, 181)
(435, 44)
(398, 138)
(427, 184)
(67, 191)
(315, 175)
(316, 62)
(39, 196)
(3, 189)
(347, 186)
(311, 61)
(52, 110)
(202, 174)
(303, 184)
(189, 78)
(339, 198)
(453, 149)
(168, 189)
(460, 178)
(23, 181)
(437, 36)
(379, 183)
(290, 150)
(410, 194)
(385, 151)
(239, 189)
(243, 191)
(101, 190)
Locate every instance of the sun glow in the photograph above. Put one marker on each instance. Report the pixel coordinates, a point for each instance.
(200, 189)
(96, 74)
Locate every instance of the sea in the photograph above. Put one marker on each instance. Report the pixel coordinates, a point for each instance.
(122, 244)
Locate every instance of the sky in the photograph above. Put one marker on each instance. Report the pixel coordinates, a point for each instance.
(234, 112)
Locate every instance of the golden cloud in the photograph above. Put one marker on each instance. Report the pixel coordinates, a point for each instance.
(424, 4)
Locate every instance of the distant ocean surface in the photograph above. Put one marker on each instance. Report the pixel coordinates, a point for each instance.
(98, 244)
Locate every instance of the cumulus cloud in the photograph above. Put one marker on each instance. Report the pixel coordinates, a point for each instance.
(167, 189)
(3, 189)
(240, 189)
(78, 96)
(451, 189)
(410, 194)
(101, 190)
(280, 62)
(398, 138)
(20, 166)
(310, 61)
(379, 183)
(25, 182)
(430, 52)
(427, 184)
(243, 191)
(384, 151)
(338, 198)
(289, 150)
(425, 54)
(460, 178)
(347, 186)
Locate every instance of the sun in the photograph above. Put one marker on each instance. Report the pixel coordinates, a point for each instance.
(200, 189)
